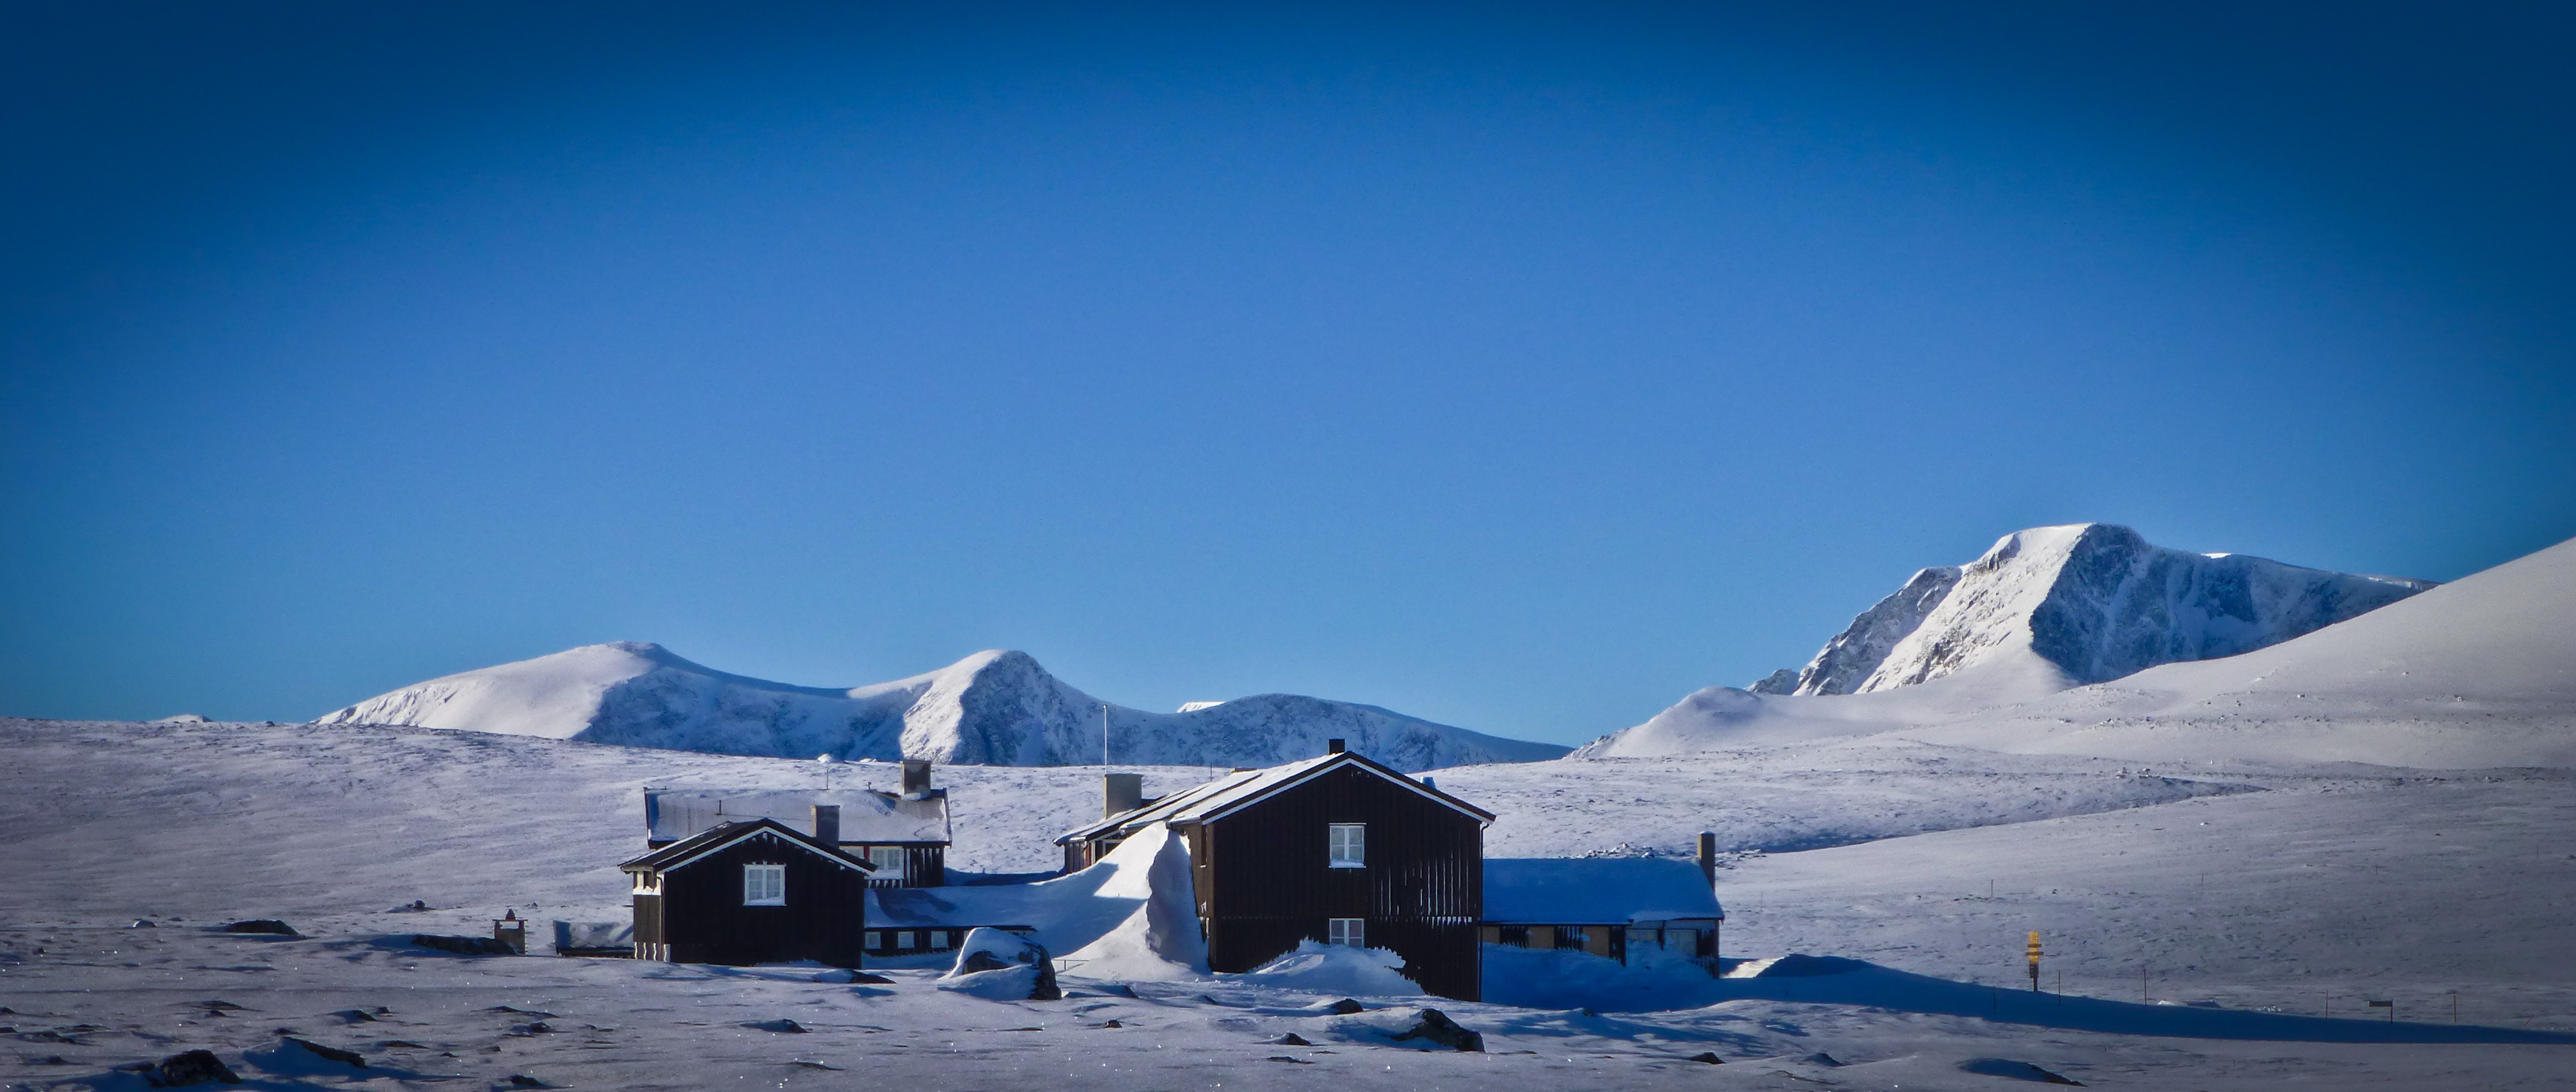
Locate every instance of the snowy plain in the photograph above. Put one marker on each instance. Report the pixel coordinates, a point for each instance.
(2309, 888)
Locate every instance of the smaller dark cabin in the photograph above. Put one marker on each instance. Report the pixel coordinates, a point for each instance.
(749, 892)
(1336, 850)
(1640, 911)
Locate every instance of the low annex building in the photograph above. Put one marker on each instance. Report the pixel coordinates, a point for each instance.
(1337, 850)
(1636, 910)
(749, 892)
(904, 836)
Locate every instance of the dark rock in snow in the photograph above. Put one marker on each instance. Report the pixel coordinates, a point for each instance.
(782, 1024)
(329, 1054)
(522, 1080)
(142, 923)
(1290, 1039)
(1343, 1007)
(2020, 1071)
(1437, 1027)
(355, 1016)
(863, 978)
(270, 926)
(464, 945)
(1285, 1058)
(523, 1012)
(1708, 1056)
(415, 906)
(192, 1067)
(1823, 1059)
(1112, 1022)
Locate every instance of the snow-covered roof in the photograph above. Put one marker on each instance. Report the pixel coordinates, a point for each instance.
(1262, 783)
(1215, 799)
(689, 849)
(1596, 890)
(867, 815)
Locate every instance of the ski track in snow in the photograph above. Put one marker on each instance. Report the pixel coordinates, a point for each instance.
(2330, 885)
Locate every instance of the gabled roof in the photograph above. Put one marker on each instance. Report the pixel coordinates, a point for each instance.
(1596, 890)
(868, 816)
(709, 841)
(1233, 792)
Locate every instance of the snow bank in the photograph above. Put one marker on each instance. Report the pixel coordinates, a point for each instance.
(1333, 968)
(1160, 939)
(1567, 979)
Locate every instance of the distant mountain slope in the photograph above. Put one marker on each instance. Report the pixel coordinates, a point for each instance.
(996, 708)
(2477, 673)
(2093, 600)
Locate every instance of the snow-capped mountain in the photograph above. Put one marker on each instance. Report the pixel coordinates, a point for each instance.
(995, 708)
(2094, 601)
(2476, 673)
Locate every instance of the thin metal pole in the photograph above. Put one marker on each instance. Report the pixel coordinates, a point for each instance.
(1104, 737)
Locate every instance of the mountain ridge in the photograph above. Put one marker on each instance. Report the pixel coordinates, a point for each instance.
(996, 707)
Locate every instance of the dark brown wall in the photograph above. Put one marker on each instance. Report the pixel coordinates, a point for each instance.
(1263, 882)
(704, 921)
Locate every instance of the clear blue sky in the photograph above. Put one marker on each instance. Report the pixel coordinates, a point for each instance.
(1521, 368)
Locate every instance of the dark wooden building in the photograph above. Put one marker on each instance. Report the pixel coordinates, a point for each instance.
(1338, 850)
(749, 892)
(904, 835)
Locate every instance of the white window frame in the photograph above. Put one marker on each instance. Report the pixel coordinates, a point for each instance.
(888, 861)
(764, 885)
(1349, 931)
(1346, 845)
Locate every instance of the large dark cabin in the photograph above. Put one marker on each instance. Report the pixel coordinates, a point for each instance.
(745, 893)
(1338, 850)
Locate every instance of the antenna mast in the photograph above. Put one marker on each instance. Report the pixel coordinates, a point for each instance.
(1104, 737)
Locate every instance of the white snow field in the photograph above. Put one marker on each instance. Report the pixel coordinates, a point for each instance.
(994, 707)
(2344, 882)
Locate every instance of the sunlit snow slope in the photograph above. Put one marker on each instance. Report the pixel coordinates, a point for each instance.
(997, 708)
(2471, 674)
(2092, 601)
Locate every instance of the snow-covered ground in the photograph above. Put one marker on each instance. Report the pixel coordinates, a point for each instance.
(2309, 886)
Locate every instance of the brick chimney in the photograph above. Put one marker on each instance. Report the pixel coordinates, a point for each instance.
(1708, 857)
(827, 824)
(1333, 746)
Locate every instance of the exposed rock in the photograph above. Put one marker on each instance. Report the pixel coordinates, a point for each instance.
(1435, 1026)
(2020, 1071)
(782, 1025)
(143, 923)
(1823, 1059)
(1291, 1039)
(192, 1067)
(330, 1054)
(1708, 1056)
(263, 925)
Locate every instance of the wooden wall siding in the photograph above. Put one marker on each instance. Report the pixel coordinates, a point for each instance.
(648, 919)
(703, 919)
(1263, 881)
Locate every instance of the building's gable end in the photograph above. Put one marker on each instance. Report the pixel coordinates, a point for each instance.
(1345, 761)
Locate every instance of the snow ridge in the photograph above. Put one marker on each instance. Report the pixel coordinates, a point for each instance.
(993, 708)
(2093, 601)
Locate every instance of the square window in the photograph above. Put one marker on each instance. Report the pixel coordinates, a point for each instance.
(1348, 845)
(876, 941)
(903, 941)
(1350, 931)
(888, 861)
(764, 885)
(939, 940)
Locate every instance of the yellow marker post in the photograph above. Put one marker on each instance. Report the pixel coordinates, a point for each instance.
(2034, 961)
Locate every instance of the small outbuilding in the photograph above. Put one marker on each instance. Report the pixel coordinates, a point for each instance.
(1629, 909)
(751, 892)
